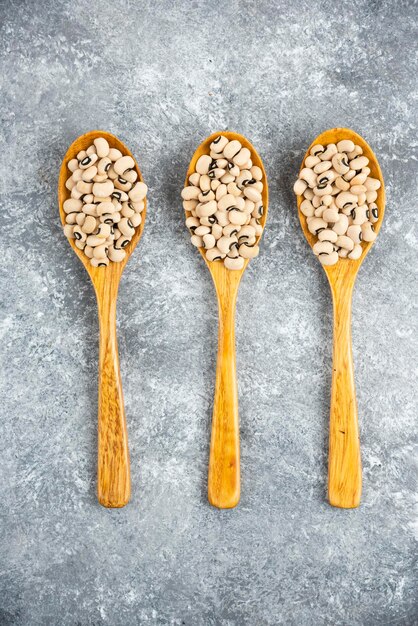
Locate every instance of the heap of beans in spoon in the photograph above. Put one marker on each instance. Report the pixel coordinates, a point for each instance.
(106, 202)
(224, 204)
(339, 200)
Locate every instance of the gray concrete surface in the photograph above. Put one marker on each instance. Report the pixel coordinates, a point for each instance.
(163, 75)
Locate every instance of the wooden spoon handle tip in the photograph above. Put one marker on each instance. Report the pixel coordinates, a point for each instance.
(224, 466)
(113, 456)
(344, 468)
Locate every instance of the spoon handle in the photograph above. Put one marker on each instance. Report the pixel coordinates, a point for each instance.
(344, 464)
(114, 486)
(224, 470)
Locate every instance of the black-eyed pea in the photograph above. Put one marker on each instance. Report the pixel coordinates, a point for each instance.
(325, 178)
(359, 215)
(258, 211)
(103, 230)
(354, 232)
(209, 241)
(373, 213)
(357, 151)
(105, 207)
(111, 173)
(88, 174)
(219, 144)
(221, 191)
(316, 224)
(194, 179)
(217, 231)
(226, 202)
(79, 234)
(89, 225)
(126, 228)
(202, 230)
(242, 157)
(69, 231)
(328, 259)
(115, 254)
(255, 196)
(88, 198)
(312, 161)
(328, 235)
(224, 244)
(357, 189)
(103, 262)
(322, 167)
(76, 194)
(231, 149)
(308, 176)
(122, 242)
(234, 252)
(188, 205)
(81, 155)
(342, 184)
(327, 155)
(371, 196)
(80, 244)
(330, 215)
(343, 253)
(222, 218)
(101, 147)
(319, 210)
(249, 206)
(103, 166)
(256, 172)
(100, 252)
(70, 183)
(234, 264)
(257, 226)
(121, 196)
(358, 163)
(71, 205)
(345, 145)
(233, 189)
(220, 173)
(71, 218)
(123, 164)
(88, 251)
(368, 232)
(102, 190)
(80, 217)
(192, 223)
(308, 194)
(355, 252)
(206, 196)
(204, 182)
(361, 198)
(90, 209)
(214, 254)
(232, 169)
(83, 187)
(127, 211)
(231, 229)
(345, 242)
(340, 163)
(139, 191)
(72, 165)
(237, 217)
(327, 200)
(87, 161)
(359, 179)
(116, 217)
(307, 209)
(372, 184)
(341, 226)
(203, 164)
(205, 209)
(345, 199)
(196, 241)
(122, 183)
(323, 190)
(322, 247)
(247, 251)
(317, 150)
(214, 184)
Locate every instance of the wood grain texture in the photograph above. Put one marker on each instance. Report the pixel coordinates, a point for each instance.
(113, 456)
(344, 462)
(224, 458)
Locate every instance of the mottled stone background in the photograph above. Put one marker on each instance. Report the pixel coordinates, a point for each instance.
(163, 75)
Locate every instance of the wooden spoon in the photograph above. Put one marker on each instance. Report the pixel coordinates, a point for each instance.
(224, 471)
(114, 486)
(344, 466)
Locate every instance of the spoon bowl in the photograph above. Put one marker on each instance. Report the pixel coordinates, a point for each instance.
(113, 456)
(344, 464)
(224, 459)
